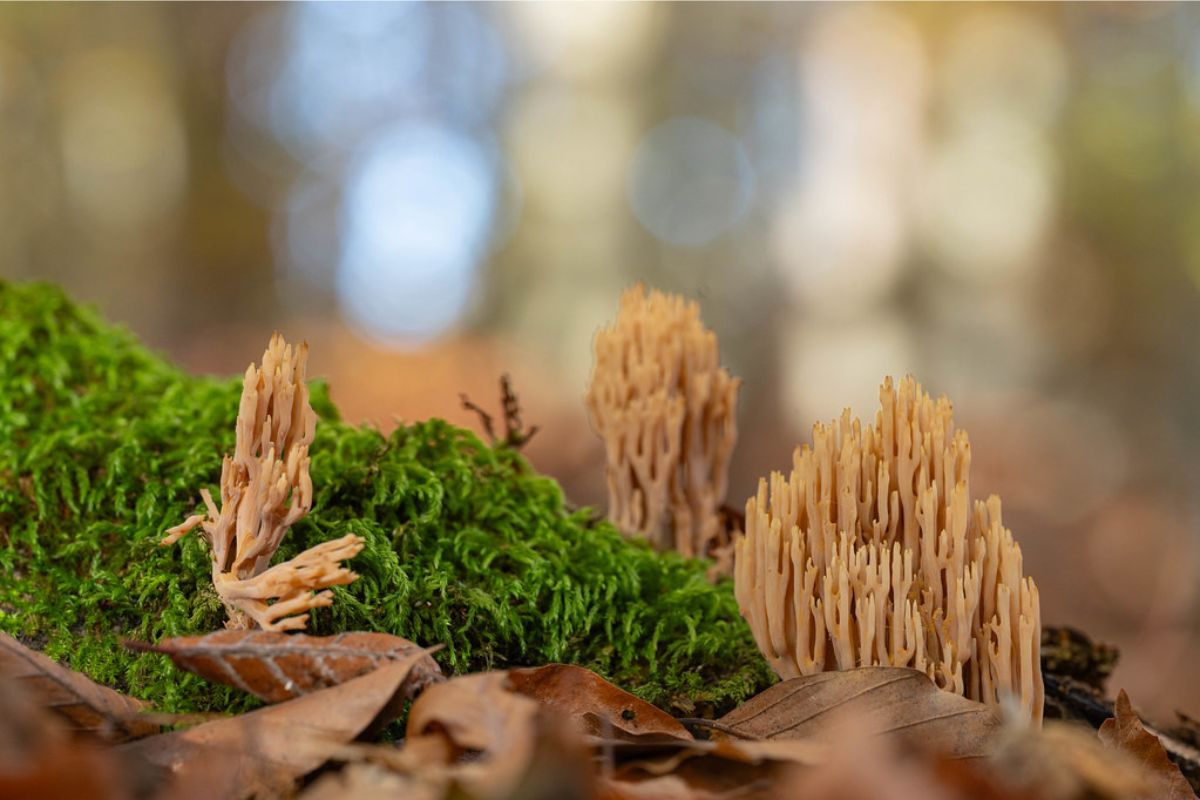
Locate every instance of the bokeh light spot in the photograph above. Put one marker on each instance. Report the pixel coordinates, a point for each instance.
(416, 217)
(347, 66)
(587, 41)
(981, 74)
(123, 146)
(828, 366)
(840, 244)
(306, 231)
(572, 150)
(691, 181)
(989, 200)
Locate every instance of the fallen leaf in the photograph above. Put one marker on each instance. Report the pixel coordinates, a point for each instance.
(1125, 732)
(502, 744)
(599, 707)
(367, 781)
(802, 752)
(493, 728)
(562, 766)
(655, 768)
(84, 704)
(39, 757)
(707, 770)
(898, 701)
(271, 747)
(278, 666)
(663, 787)
(862, 765)
(1061, 761)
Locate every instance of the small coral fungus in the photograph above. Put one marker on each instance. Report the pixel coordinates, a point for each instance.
(265, 489)
(871, 553)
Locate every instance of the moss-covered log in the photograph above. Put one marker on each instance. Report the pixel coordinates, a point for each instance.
(103, 445)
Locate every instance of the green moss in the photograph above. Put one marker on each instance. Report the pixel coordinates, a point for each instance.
(103, 445)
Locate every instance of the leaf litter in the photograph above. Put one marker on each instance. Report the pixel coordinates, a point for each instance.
(83, 704)
(560, 731)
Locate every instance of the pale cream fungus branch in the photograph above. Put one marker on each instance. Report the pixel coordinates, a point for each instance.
(265, 489)
(667, 413)
(870, 552)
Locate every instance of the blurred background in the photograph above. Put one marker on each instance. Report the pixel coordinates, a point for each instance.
(1003, 200)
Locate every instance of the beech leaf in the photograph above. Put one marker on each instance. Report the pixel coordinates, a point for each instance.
(1125, 732)
(277, 666)
(707, 769)
(84, 704)
(896, 700)
(273, 746)
(660, 787)
(367, 781)
(599, 707)
(480, 716)
(40, 758)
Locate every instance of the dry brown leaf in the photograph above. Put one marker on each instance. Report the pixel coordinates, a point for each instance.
(1125, 732)
(271, 747)
(655, 767)
(494, 727)
(1062, 761)
(861, 765)
(368, 781)
(849, 762)
(706, 774)
(894, 700)
(657, 753)
(66, 771)
(280, 666)
(664, 787)
(502, 744)
(562, 766)
(84, 704)
(39, 758)
(600, 708)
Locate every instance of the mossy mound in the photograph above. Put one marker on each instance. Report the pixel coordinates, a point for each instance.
(103, 445)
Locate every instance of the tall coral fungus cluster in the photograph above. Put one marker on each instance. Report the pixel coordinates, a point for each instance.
(265, 489)
(871, 553)
(667, 413)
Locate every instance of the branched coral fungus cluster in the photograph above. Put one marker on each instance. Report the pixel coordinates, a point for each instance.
(667, 413)
(871, 553)
(265, 489)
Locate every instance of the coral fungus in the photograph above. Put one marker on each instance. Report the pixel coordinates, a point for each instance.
(667, 412)
(265, 489)
(870, 552)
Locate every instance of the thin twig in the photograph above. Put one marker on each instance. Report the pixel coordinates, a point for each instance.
(515, 432)
(485, 419)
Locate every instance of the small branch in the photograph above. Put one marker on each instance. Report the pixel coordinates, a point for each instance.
(485, 419)
(515, 432)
